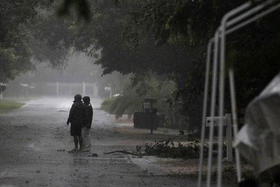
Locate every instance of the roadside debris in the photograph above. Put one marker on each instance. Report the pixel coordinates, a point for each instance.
(168, 149)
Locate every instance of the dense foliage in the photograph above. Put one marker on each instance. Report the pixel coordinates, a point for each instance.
(14, 51)
(170, 37)
(22, 38)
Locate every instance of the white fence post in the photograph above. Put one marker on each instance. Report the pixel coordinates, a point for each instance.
(229, 136)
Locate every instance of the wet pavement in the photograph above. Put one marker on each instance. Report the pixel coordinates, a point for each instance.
(34, 141)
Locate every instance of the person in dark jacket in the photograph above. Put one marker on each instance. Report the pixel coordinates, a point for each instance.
(87, 124)
(76, 119)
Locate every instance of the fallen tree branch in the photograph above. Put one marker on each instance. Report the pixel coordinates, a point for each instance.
(168, 149)
(124, 152)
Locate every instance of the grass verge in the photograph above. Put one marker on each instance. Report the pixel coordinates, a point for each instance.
(8, 105)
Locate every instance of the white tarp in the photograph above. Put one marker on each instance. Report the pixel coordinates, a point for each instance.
(259, 139)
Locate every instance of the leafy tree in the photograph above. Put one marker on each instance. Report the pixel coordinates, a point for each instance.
(163, 36)
(149, 86)
(15, 49)
(14, 52)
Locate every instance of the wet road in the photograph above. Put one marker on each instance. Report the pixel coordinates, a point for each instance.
(34, 141)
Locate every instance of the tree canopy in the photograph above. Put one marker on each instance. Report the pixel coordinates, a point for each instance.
(138, 36)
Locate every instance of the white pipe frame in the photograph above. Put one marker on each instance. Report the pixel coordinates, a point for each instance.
(237, 21)
(272, 5)
(213, 107)
(204, 112)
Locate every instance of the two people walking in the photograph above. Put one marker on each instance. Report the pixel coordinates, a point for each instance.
(80, 118)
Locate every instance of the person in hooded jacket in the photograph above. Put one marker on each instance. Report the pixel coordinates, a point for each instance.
(76, 119)
(87, 124)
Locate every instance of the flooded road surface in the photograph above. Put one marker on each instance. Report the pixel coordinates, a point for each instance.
(34, 141)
